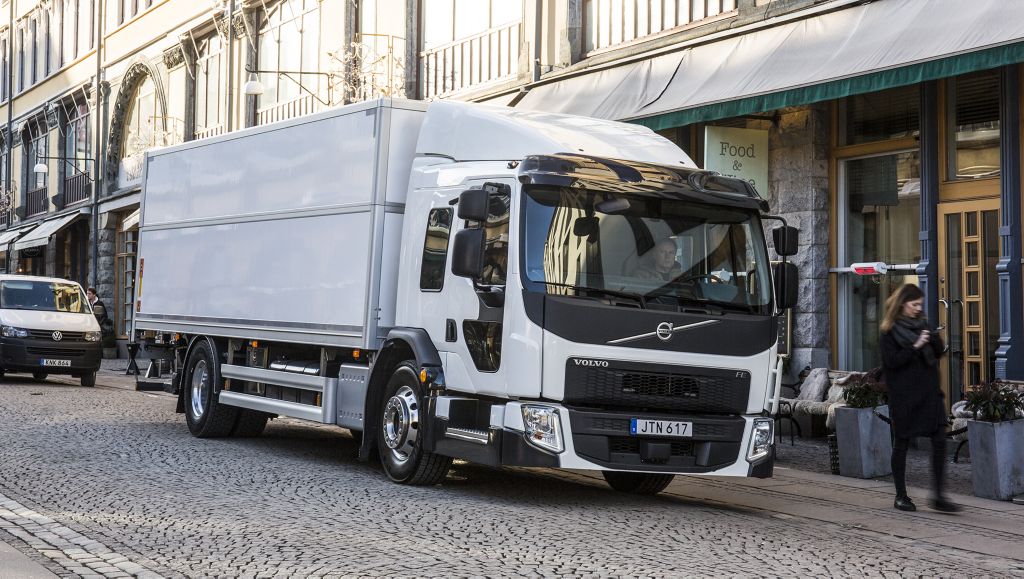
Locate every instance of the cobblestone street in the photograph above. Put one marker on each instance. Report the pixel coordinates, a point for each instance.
(108, 482)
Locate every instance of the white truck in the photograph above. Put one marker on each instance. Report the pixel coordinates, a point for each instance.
(451, 280)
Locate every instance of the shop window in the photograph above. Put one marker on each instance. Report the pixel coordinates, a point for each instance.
(881, 222)
(125, 261)
(879, 116)
(973, 126)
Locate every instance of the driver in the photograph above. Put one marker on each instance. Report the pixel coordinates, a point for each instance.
(663, 266)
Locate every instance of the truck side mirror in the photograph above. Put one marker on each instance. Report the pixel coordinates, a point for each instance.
(785, 239)
(474, 205)
(787, 280)
(468, 250)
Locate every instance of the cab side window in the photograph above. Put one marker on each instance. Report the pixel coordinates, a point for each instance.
(435, 249)
(496, 240)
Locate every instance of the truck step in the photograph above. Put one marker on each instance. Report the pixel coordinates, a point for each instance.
(272, 405)
(468, 435)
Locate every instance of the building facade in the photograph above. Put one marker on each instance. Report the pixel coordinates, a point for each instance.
(887, 131)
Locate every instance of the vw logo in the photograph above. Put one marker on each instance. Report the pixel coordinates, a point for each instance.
(57, 336)
(664, 331)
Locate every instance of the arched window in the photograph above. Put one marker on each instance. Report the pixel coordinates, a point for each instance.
(144, 129)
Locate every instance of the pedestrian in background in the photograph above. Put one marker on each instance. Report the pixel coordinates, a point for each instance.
(98, 308)
(910, 361)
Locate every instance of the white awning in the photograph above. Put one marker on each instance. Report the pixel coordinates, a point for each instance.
(796, 59)
(41, 235)
(11, 234)
(132, 221)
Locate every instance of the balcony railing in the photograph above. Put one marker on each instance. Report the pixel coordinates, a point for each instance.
(211, 131)
(302, 105)
(614, 22)
(486, 57)
(76, 188)
(36, 202)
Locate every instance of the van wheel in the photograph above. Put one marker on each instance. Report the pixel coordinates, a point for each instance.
(205, 416)
(400, 440)
(89, 379)
(637, 483)
(40, 376)
(250, 423)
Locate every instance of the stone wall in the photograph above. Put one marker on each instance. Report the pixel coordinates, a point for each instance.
(799, 191)
(106, 274)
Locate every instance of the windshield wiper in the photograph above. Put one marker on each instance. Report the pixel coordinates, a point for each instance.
(620, 294)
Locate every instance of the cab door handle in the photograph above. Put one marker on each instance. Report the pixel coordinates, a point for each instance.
(451, 332)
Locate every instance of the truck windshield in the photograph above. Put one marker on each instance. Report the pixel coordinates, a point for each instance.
(43, 296)
(665, 253)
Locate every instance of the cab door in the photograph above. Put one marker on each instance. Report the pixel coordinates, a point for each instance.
(476, 304)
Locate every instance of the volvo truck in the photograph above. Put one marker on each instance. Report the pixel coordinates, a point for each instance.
(459, 281)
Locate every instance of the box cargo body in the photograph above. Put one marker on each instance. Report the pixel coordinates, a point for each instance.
(239, 239)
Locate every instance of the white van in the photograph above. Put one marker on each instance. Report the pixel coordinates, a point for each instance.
(47, 327)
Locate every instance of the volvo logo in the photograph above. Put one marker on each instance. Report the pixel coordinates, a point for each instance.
(664, 332)
(57, 336)
(593, 363)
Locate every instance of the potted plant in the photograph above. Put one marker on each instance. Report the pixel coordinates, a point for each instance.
(109, 341)
(996, 438)
(862, 428)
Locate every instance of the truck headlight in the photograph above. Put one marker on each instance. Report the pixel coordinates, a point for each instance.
(12, 332)
(92, 336)
(543, 429)
(760, 439)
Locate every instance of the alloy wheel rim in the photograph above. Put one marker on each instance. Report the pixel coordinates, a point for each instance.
(401, 424)
(200, 386)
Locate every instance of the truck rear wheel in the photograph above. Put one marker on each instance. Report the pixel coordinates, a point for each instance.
(400, 440)
(637, 483)
(205, 416)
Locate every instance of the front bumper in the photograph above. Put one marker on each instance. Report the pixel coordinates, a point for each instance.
(27, 355)
(601, 440)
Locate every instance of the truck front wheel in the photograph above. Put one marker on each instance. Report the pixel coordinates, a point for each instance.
(637, 483)
(400, 440)
(205, 416)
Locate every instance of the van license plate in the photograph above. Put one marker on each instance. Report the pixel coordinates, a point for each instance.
(57, 363)
(672, 428)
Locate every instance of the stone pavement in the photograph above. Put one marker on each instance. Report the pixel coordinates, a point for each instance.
(108, 482)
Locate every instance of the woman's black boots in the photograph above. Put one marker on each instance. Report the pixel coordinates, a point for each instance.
(904, 503)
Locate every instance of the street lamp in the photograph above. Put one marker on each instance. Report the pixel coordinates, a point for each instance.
(253, 87)
(41, 168)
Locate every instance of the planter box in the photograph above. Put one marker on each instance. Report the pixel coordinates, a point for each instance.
(997, 458)
(865, 442)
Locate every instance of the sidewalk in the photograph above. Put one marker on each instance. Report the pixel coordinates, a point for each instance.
(16, 565)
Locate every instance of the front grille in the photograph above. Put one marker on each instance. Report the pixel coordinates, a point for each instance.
(48, 335)
(61, 352)
(627, 385)
(631, 445)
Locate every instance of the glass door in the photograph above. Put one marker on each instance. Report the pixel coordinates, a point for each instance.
(968, 292)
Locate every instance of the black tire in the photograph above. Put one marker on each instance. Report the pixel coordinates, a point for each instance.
(88, 379)
(250, 423)
(637, 483)
(40, 376)
(401, 410)
(205, 416)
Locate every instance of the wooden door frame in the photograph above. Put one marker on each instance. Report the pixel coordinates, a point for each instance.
(988, 203)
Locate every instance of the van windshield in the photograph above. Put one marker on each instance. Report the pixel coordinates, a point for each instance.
(46, 296)
(663, 252)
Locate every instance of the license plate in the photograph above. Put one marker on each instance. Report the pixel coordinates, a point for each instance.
(670, 428)
(58, 363)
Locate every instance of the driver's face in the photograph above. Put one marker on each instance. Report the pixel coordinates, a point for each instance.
(665, 256)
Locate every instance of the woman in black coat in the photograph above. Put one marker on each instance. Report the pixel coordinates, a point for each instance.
(910, 360)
